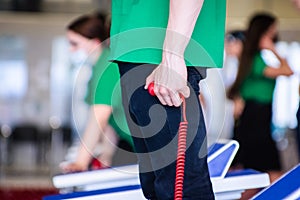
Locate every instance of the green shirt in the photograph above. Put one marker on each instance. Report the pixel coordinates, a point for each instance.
(139, 26)
(257, 86)
(104, 88)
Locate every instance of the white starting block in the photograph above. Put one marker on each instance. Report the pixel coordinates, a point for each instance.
(123, 182)
(98, 179)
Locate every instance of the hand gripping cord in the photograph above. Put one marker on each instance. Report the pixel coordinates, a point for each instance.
(182, 132)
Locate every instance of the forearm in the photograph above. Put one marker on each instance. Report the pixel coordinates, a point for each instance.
(89, 140)
(182, 19)
(284, 65)
(284, 68)
(170, 77)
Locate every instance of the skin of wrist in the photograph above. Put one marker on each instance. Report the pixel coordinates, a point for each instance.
(168, 57)
(83, 161)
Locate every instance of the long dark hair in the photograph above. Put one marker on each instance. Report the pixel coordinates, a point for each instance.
(258, 25)
(93, 26)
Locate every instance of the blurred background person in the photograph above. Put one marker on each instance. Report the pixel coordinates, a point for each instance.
(234, 42)
(88, 35)
(233, 47)
(220, 112)
(255, 83)
(297, 5)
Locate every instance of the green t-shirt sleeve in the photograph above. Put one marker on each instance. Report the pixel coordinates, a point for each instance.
(106, 83)
(258, 65)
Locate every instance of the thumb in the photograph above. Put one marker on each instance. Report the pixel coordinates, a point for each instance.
(185, 91)
(149, 80)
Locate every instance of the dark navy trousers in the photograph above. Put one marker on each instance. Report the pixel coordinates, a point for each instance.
(154, 129)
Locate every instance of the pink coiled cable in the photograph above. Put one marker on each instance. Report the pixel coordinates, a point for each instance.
(181, 154)
(180, 162)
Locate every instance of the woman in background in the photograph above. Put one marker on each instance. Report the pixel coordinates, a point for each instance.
(255, 84)
(107, 123)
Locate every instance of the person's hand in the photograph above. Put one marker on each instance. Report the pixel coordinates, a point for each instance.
(72, 167)
(239, 105)
(170, 80)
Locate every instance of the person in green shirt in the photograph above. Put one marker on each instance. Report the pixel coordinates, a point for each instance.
(107, 121)
(255, 83)
(155, 41)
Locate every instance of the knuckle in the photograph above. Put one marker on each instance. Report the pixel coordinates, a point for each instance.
(163, 91)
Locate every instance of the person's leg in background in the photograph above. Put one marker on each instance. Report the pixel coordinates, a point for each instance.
(156, 141)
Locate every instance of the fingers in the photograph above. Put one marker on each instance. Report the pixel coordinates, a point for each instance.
(185, 91)
(161, 94)
(175, 98)
(169, 83)
(167, 97)
(71, 167)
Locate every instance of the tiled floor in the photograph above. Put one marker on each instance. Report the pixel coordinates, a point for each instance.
(25, 185)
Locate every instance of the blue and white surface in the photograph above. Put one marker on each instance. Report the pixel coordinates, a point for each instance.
(123, 182)
(286, 187)
(220, 157)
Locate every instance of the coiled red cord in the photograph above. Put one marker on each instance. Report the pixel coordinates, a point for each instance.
(181, 153)
(182, 132)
